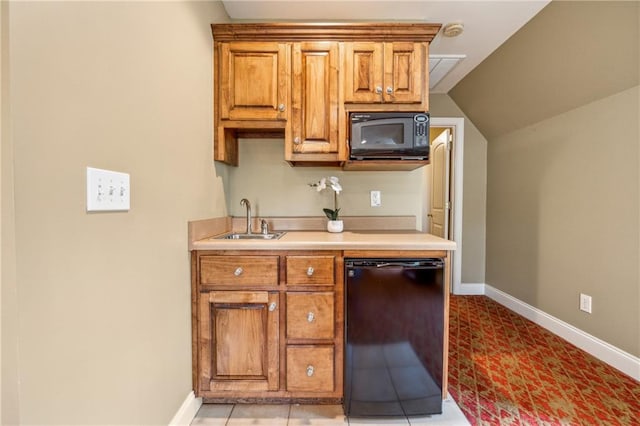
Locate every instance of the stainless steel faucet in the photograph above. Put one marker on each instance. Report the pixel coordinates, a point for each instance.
(247, 204)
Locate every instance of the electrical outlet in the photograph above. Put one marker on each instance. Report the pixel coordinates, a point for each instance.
(376, 200)
(107, 190)
(585, 303)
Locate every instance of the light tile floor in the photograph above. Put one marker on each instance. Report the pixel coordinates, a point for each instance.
(312, 415)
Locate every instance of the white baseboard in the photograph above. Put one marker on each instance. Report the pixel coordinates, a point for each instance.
(469, 289)
(187, 411)
(617, 358)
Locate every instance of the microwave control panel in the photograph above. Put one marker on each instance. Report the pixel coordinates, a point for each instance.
(421, 129)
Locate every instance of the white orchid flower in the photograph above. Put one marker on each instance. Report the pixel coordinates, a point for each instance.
(322, 184)
(335, 184)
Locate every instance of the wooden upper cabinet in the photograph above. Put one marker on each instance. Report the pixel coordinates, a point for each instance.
(405, 69)
(390, 72)
(314, 99)
(363, 72)
(298, 81)
(253, 81)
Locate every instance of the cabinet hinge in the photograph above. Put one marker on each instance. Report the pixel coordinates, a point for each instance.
(447, 205)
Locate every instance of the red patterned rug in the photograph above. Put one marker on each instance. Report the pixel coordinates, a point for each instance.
(506, 370)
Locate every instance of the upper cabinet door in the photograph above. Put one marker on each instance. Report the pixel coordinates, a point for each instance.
(392, 72)
(253, 81)
(404, 68)
(363, 65)
(315, 98)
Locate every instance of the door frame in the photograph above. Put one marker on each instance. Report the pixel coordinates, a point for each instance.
(457, 123)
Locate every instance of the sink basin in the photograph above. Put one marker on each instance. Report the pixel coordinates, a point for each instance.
(236, 236)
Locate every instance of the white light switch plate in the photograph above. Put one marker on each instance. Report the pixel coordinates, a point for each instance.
(107, 190)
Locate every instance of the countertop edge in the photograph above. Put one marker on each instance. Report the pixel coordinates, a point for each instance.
(302, 240)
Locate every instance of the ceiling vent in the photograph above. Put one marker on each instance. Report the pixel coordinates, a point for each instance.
(440, 66)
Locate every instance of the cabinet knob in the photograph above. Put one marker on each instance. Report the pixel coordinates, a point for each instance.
(378, 89)
(272, 306)
(310, 271)
(281, 107)
(389, 90)
(310, 370)
(296, 140)
(238, 271)
(311, 317)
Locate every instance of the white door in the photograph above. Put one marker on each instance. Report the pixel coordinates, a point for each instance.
(439, 202)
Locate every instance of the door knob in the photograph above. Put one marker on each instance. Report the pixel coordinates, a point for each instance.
(281, 107)
(389, 90)
(378, 89)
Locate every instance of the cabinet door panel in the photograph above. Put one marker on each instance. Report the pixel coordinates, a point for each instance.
(404, 71)
(315, 97)
(239, 341)
(310, 368)
(239, 270)
(310, 270)
(363, 78)
(253, 81)
(310, 315)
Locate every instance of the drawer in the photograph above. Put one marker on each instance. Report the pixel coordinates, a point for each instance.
(310, 270)
(310, 315)
(245, 270)
(310, 368)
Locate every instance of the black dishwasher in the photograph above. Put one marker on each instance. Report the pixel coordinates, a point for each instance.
(394, 337)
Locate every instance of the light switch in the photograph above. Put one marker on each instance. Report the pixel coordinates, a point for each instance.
(107, 190)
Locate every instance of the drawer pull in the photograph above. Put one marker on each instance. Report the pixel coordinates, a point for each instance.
(238, 271)
(310, 370)
(311, 317)
(310, 271)
(272, 306)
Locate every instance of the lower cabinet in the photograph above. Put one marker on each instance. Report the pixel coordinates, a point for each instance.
(310, 368)
(238, 340)
(267, 325)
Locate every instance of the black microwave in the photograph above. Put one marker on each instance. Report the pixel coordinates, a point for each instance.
(389, 135)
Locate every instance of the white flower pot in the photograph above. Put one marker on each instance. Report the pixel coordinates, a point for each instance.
(335, 226)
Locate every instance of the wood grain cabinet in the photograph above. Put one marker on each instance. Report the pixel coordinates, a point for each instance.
(254, 80)
(315, 98)
(267, 325)
(392, 72)
(238, 341)
(298, 82)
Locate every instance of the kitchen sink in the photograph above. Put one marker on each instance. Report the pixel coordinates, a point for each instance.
(236, 236)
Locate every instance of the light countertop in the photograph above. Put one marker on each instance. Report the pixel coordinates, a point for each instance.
(322, 240)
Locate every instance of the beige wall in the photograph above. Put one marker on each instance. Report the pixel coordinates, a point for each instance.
(558, 103)
(563, 217)
(103, 300)
(570, 54)
(474, 194)
(276, 189)
(8, 292)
